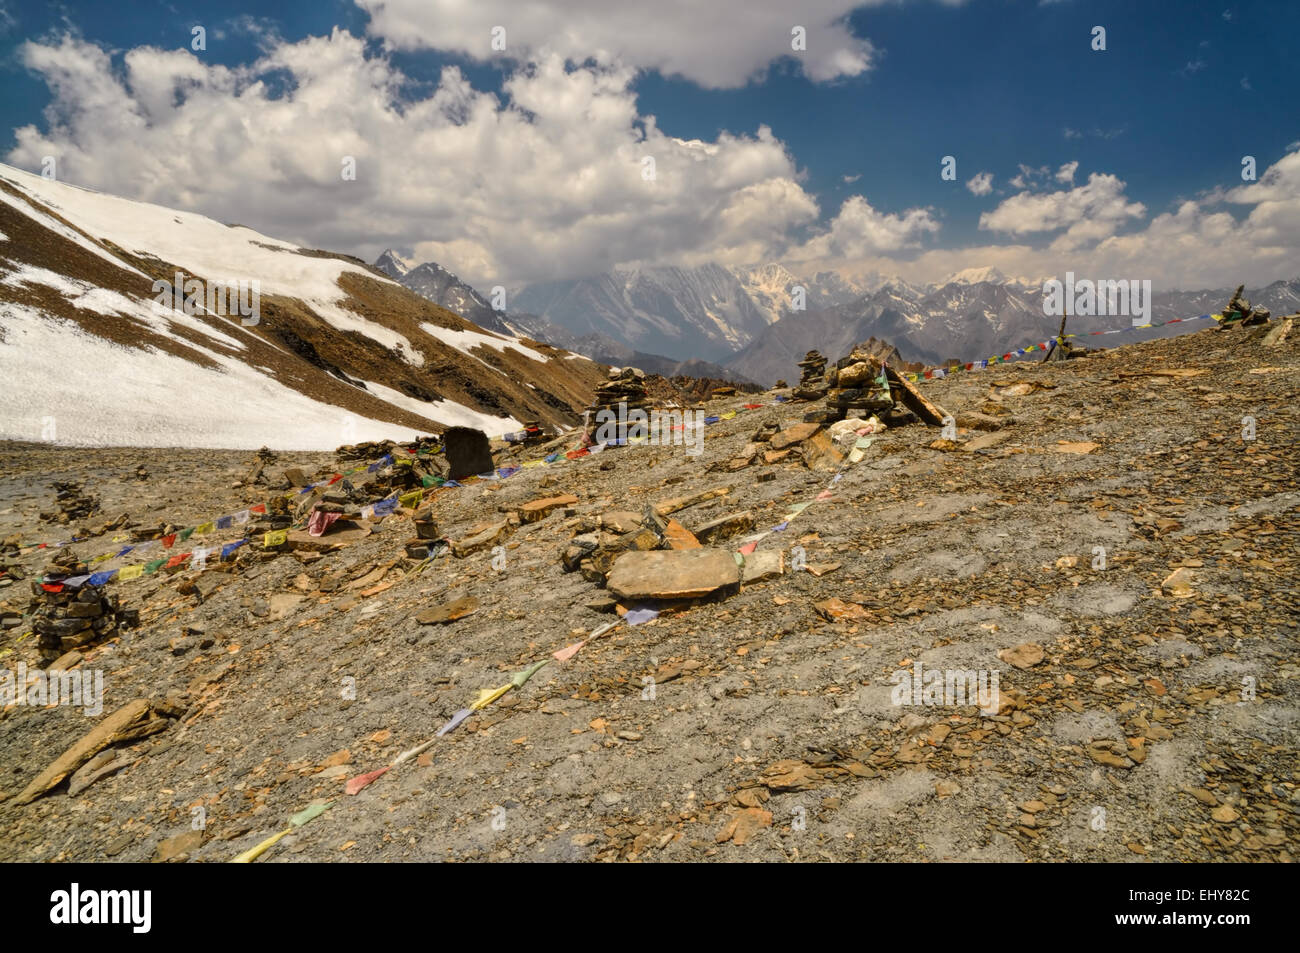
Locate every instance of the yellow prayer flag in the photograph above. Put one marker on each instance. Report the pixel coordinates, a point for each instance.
(487, 696)
(277, 537)
(203, 528)
(250, 855)
(410, 500)
(127, 573)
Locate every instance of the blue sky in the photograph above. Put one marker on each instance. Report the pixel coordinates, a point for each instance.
(1166, 112)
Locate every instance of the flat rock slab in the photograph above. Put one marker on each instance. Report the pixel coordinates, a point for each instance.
(984, 441)
(535, 510)
(679, 537)
(448, 612)
(621, 521)
(672, 573)
(99, 738)
(681, 502)
(342, 533)
(793, 435)
(914, 400)
(837, 610)
(725, 527)
(762, 564)
(481, 540)
(820, 452)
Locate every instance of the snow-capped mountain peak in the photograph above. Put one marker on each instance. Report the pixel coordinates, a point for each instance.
(393, 265)
(975, 276)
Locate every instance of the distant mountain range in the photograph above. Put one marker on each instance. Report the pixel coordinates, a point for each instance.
(966, 319)
(440, 286)
(740, 322)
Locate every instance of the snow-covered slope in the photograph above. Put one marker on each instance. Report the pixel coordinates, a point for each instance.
(336, 353)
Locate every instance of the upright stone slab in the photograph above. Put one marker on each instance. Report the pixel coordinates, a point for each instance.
(468, 452)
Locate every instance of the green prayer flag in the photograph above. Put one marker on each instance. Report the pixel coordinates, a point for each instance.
(521, 677)
(310, 813)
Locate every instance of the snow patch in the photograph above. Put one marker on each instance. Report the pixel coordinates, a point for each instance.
(446, 411)
(88, 297)
(463, 341)
(52, 368)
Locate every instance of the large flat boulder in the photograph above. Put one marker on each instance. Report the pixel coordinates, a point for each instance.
(535, 510)
(342, 533)
(793, 435)
(672, 573)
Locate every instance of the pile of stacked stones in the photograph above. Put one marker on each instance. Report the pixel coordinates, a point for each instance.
(858, 384)
(812, 386)
(73, 504)
(425, 541)
(66, 618)
(625, 388)
(533, 433)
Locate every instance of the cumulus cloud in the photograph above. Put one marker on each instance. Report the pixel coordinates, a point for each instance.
(860, 231)
(722, 43)
(1028, 176)
(549, 179)
(981, 184)
(1087, 212)
(1249, 233)
(1066, 172)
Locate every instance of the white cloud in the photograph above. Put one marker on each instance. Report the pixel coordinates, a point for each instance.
(722, 43)
(981, 184)
(1028, 176)
(860, 231)
(1198, 244)
(1088, 212)
(1065, 173)
(544, 181)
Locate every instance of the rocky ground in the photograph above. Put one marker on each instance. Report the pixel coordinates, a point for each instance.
(1147, 709)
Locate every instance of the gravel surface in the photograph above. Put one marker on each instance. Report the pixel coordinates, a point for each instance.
(1138, 716)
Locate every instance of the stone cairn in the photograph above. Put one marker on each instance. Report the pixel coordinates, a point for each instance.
(532, 433)
(812, 386)
(73, 503)
(74, 618)
(1239, 309)
(627, 387)
(426, 539)
(858, 384)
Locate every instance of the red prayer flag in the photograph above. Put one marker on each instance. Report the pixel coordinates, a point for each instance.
(361, 780)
